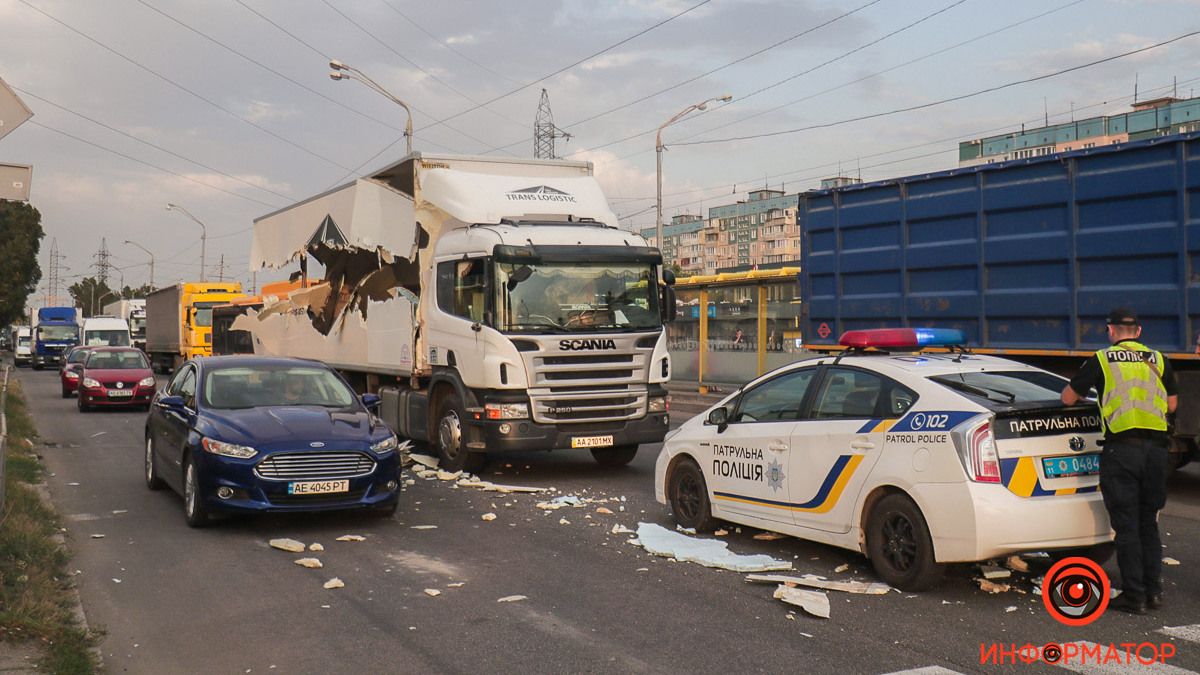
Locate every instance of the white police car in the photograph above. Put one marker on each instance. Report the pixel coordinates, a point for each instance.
(915, 459)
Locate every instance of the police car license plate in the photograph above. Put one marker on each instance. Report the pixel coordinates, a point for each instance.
(1073, 465)
(120, 393)
(318, 487)
(591, 441)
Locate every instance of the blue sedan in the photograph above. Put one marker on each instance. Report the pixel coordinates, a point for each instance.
(253, 434)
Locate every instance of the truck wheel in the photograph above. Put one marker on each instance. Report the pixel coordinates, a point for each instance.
(451, 438)
(688, 495)
(616, 456)
(899, 545)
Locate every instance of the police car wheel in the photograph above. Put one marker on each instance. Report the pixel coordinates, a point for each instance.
(689, 498)
(617, 456)
(899, 545)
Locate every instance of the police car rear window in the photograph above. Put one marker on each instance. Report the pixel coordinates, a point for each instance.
(1001, 389)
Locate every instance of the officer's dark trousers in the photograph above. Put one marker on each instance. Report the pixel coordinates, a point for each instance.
(1133, 481)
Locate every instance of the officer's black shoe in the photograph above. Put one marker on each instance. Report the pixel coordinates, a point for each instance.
(1154, 601)
(1125, 603)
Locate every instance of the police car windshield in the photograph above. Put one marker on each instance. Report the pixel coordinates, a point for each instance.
(574, 297)
(1005, 387)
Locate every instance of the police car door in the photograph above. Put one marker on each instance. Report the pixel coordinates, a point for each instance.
(835, 447)
(748, 459)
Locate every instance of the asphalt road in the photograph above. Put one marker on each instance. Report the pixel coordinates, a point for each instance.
(171, 599)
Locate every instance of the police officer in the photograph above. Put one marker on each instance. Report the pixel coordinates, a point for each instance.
(1136, 389)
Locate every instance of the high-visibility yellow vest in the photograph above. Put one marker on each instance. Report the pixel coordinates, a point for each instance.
(1134, 396)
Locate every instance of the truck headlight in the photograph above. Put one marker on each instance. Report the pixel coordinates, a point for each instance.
(90, 383)
(506, 411)
(658, 404)
(227, 449)
(146, 382)
(385, 446)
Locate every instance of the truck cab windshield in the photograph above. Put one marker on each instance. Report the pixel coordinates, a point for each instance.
(550, 297)
(50, 333)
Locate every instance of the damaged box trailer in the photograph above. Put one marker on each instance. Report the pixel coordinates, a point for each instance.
(492, 304)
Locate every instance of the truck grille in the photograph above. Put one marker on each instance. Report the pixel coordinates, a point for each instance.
(315, 466)
(589, 406)
(597, 386)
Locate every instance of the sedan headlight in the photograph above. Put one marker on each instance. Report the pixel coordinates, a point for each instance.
(72, 375)
(147, 382)
(506, 411)
(228, 449)
(90, 383)
(659, 404)
(385, 446)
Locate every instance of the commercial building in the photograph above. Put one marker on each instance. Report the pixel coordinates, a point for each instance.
(1148, 119)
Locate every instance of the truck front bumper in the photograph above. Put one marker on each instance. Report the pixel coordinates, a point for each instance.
(47, 359)
(525, 435)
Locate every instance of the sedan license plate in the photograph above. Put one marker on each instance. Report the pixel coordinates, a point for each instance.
(318, 487)
(1074, 465)
(120, 393)
(591, 441)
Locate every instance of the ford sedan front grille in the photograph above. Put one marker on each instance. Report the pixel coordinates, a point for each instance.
(315, 466)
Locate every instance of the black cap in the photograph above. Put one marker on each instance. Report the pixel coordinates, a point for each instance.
(1122, 316)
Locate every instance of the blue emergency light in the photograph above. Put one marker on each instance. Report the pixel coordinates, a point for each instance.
(884, 338)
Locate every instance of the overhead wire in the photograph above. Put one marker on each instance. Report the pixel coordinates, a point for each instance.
(943, 101)
(179, 86)
(445, 44)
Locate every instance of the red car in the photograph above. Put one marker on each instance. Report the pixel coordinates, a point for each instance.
(68, 372)
(115, 377)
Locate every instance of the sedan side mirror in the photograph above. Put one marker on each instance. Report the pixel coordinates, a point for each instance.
(172, 402)
(719, 417)
(371, 401)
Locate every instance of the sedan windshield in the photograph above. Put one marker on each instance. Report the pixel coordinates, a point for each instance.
(125, 359)
(273, 385)
(576, 297)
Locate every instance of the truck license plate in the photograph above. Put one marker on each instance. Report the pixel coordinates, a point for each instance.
(318, 487)
(591, 441)
(1075, 465)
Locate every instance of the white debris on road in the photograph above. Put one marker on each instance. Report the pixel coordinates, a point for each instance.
(859, 587)
(289, 545)
(1015, 563)
(993, 587)
(424, 460)
(334, 583)
(488, 517)
(1170, 561)
(841, 568)
(457, 584)
(563, 521)
(310, 563)
(815, 603)
(708, 552)
(447, 475)
(604, 511)
(994, 572)
(432, 592)
(424, 527)
(97, 536)
(488, 486)
(1010, 608)
(351, 537)
(513, 598)
(316, 548)
(620, 529)
(769, 536)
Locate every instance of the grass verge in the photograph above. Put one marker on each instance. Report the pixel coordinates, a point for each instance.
(35, 597)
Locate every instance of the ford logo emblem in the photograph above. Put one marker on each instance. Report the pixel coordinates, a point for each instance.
(316, 444)
(1076, 443)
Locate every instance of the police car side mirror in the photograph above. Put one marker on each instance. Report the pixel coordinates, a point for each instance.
(719, 417)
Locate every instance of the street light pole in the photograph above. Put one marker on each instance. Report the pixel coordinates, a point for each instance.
(203, 235)
(658, 149)
(342, 71)
(151, 260)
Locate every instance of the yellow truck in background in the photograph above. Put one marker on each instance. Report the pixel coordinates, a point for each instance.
(179, 321)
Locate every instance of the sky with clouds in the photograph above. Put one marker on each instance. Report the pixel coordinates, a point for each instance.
(226, 108)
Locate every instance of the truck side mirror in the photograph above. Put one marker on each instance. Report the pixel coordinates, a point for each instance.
(670, 311)
(668, 277)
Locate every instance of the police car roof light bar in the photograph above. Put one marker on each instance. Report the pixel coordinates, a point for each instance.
(911, 338)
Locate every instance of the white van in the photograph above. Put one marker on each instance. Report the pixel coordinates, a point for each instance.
(105, 331)
(23, 345)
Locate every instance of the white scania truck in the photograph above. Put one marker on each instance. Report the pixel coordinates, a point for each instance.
(492, 304)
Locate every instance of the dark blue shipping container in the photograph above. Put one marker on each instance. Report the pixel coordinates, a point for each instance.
(1023, 255)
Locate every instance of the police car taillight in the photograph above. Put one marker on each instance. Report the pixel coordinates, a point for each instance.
(884, 338)
(977, 449)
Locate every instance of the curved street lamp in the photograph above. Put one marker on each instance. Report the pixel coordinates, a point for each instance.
(340, 71)
(658, 149)
(203, 234)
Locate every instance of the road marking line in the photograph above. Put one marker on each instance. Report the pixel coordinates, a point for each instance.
(1189, 633)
